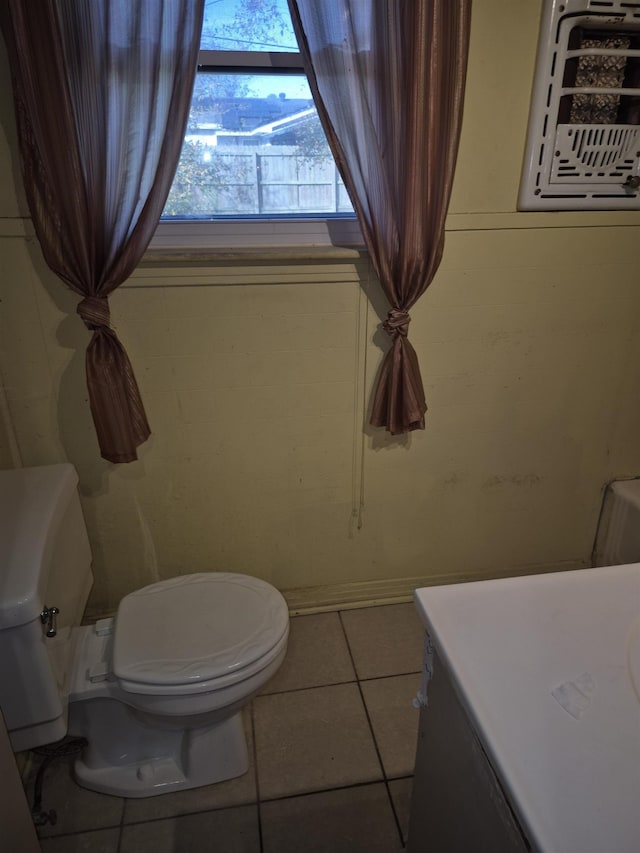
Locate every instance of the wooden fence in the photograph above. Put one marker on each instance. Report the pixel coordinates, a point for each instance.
(252, 181)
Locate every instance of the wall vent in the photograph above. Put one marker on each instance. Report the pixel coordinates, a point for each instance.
(583, 143)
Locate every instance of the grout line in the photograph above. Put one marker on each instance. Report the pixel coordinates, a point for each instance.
(121, 832)
(122, 823)
(395, 675)
(348, 787)
(348, 644)
(181, 815)
(255, 776)
(375, 742)
(310, 687)
(75, 832)
(364, 705)
(339, 683)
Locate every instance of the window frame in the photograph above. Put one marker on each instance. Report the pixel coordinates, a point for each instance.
(243, 232)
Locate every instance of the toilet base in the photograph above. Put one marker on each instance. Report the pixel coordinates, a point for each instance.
(186, 759)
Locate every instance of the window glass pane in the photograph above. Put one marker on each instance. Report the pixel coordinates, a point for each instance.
(248, 25)
(255, 147)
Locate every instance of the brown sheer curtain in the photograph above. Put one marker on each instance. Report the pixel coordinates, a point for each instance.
(102, 92)
(388, 79)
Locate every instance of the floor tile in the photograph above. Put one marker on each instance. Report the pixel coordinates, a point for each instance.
(222, 831)
(352, 820)
(386, 640)
(394, 721)
(77, 808)
(400, 790)
(313, 739)
(317, 655)
(100, 841)
(232, 793)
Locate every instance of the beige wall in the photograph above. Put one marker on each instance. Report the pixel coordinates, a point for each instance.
(255, 377)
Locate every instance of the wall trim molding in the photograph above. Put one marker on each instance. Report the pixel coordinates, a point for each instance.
(348, 596)
(274, 247)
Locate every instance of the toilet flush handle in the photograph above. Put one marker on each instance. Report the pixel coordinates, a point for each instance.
(48, 618)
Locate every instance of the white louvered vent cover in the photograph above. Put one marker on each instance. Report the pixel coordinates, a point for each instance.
(583, 144)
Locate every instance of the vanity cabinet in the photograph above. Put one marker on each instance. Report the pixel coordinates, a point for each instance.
(530, 727)
(458, 804)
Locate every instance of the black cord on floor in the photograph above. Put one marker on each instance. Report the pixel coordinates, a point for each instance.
(62, 748)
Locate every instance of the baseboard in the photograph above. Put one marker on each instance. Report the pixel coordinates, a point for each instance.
(347, 596)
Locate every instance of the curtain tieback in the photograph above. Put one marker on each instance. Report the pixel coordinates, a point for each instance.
(397, 323)
(94, 311)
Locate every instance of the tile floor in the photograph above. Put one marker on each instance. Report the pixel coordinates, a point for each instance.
(332, 739)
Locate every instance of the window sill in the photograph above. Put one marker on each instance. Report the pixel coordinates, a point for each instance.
(271, 240)
(181, 257)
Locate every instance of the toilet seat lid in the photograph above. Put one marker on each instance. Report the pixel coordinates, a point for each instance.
(196, 628)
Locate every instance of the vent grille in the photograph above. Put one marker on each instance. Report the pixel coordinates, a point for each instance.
(595, 155)
(583, 146)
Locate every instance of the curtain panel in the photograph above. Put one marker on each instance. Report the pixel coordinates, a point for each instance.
(102, 92)
(388, 78)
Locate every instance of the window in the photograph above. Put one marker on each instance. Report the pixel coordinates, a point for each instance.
(254, 147)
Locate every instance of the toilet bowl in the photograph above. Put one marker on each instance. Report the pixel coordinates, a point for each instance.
(158, 690)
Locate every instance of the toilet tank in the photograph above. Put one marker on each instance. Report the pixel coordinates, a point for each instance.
(45, 561)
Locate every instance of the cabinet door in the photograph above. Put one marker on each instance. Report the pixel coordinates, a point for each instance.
(457, 804)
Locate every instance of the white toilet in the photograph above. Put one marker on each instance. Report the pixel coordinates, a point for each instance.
(158, 690)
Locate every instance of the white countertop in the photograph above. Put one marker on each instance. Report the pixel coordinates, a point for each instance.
(573, 781)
